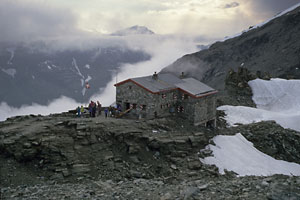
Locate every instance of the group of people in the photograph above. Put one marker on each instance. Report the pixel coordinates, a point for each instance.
(112, 111)
(95, 109)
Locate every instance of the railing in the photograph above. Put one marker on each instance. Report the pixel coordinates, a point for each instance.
(123, 113)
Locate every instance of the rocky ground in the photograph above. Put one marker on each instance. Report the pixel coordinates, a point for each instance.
(63, 157)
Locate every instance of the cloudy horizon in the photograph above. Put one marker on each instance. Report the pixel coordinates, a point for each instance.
(26, 19)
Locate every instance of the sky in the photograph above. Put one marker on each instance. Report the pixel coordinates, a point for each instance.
(214, 19)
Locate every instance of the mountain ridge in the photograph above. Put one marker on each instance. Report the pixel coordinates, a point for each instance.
(34, 74)
(133, 30)
(272, 47)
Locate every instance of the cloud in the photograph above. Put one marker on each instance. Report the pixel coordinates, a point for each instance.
(29, 19)
(62, 104)
(273, 6)
(261, 10)
(231, 5)
(26, 19)
(163, 51)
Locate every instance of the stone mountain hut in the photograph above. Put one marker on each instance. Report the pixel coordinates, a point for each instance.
(163, 95)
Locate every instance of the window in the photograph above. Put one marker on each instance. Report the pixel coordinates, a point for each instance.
(129, 87)
(163, 96)
(144, 107)
(186, 96)
(134, 106)
(180, 109)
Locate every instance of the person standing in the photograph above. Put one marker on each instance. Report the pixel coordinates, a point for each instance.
(81, 110)
(78, 111)
(110, 111)
(94, 109)
(90, 108)
(99, 108)
(106, 112)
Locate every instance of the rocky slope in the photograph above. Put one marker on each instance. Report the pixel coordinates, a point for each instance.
(273, 48)
(63, 157)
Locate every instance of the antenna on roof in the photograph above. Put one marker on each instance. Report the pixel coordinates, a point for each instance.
(182, 75)
(155, 76)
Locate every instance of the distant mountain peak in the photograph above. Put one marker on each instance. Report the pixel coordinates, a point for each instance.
(134, 30)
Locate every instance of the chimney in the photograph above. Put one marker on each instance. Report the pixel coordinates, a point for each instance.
(182, 75)
(154, 76)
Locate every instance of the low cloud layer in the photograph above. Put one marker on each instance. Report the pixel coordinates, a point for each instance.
(163, 51)
(62, 104)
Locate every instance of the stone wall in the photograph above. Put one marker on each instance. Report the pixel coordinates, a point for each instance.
(172, 102)
(198, 110)
(133, 94)
(205, 109)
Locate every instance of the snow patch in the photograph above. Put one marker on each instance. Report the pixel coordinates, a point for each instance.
(74, 63)
(246, 115)
(11, 72)
(83, 91)
(12, 54)
(83, 80)
(277, 95)
(88, 78)
(237, 154)
(87, 66)
(277, 100)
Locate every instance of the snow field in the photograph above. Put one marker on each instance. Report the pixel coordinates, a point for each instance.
(277, 100)
(236, 153)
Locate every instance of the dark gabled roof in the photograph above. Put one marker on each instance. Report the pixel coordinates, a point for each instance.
(165, 82)
(194, 87)
(162, 83)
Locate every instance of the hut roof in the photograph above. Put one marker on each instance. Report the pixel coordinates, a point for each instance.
(166, 82)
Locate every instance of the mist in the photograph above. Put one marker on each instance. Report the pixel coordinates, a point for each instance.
(163, 50)
(62, 104)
